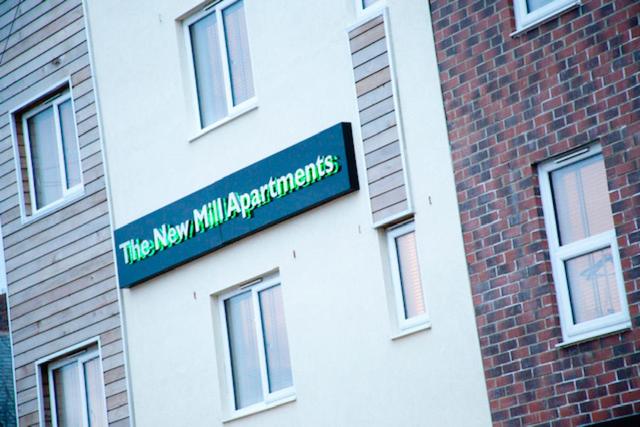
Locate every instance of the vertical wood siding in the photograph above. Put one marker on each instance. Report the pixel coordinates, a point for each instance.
(61, 277)
(378, 120)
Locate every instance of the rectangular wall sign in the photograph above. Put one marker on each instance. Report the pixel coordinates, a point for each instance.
(296, 179)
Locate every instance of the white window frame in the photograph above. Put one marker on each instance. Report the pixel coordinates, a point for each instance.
(416, 322)
(361, 9)
(232, 111)
(572, 333)
(42, 102)
(47, 364)
(526, 20)
(269, 400)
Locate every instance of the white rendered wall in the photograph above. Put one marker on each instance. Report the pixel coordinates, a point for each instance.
(347, 370)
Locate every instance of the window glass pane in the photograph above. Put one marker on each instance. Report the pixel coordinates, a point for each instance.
(367, 3)
(275, 339)
(592, 286)
(44, 157)
(238, 52)
(410, 275)
(68, 396)
(537, 4)
(207, 62)
(581, 200)
(69, 143)
(243, 347)
(95, 395)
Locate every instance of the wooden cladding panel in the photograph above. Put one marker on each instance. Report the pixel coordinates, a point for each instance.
(379, 125)
(60, 267)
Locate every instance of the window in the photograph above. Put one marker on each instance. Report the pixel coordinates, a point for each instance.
(48, 153)
(363, 4)
(221, 62)
(73, 390)
(530, 13)
(411, 309)
(257, 348)
(582, 245)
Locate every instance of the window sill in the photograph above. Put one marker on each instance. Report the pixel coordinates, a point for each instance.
(545, 18)
(259, 407)
(600, 333)
(411, 330)
(54, 207)
(240, 112)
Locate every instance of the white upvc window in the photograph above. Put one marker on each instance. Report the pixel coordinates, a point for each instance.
(218, 46)
(530, 13)
(257, 360)
(48, 154)
(583, 246)
(76, 391)
(410, 305)
(363, 5)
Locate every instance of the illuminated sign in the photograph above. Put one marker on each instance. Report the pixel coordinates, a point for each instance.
(303, 176)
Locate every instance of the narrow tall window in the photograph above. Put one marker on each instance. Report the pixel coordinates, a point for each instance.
(405, 270)
(530, 13)
(221, 61)
(582, 245)
(257, 345)
(74, 392)
(47, 147)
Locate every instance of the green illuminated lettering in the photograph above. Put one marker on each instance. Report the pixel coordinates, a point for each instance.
(285, 184)
(233, 206)
(320, 166)
(126, 247)
(311, 172)
(300, 176)
(201, 218)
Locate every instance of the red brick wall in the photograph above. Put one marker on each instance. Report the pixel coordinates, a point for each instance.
(510, 103)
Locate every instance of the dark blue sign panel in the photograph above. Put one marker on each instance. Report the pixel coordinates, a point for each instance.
(296, 179)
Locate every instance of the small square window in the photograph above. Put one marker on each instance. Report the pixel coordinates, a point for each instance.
(583, 247)
(530, 13)
(411, 309)
(256, 346)
(46, 146)
(73, 390)
(219, 47)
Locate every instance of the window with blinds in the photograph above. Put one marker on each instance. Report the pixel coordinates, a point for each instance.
(582, 245)
(221, 62)
(256, 347)
(410, 304)
(73, 390)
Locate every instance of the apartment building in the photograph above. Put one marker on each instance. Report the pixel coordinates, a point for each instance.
(286, 228)
(542, 99)
(63, 305)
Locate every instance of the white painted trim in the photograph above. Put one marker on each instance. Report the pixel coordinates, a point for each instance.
(45, 360)
(233, 111)
(42, 95)
(49, 98)
(270, 399)
(404, 324)
(573, 333)
(239, 112)
(375, 8)
(372, 13)
(123, 330)
(78, 359)
(528, 20)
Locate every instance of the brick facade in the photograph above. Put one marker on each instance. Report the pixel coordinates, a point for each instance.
(512, 102)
